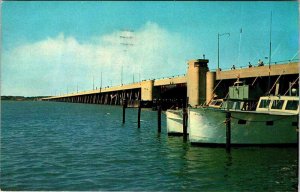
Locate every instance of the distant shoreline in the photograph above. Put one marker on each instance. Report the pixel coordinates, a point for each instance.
(21, 98)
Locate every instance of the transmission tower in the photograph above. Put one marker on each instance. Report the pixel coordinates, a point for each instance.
(126, 41)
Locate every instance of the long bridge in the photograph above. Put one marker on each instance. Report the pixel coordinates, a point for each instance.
(199, 84)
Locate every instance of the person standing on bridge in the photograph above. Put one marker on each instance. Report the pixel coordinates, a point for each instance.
(260, 63)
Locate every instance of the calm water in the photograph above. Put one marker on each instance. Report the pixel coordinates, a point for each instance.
(65, 146)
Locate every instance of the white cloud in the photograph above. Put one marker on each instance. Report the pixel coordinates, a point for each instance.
(58, 64)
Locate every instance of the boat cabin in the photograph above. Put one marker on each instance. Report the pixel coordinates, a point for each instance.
(283, 104)
(233, 105)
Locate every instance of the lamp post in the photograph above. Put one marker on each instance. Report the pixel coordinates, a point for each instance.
(219, 35)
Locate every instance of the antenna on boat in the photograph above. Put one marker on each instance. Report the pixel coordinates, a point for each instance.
(238, 59)
(270, 50)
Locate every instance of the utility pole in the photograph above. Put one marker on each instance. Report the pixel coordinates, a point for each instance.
(101, 80)
(133, 78)
(93, 83)
(122, 75)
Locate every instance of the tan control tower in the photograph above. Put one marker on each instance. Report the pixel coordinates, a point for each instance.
(196, 81)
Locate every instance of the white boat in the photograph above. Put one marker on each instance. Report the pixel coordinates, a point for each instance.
(274, 122)
(175, 122)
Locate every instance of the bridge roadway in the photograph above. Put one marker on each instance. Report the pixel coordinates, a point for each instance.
(133, 92)
(147, 90)
(262, 71)
(132, 86)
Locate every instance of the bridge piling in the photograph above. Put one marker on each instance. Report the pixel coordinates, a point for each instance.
(124, 108)
(158, 116)
(185, 118)
(139, 114)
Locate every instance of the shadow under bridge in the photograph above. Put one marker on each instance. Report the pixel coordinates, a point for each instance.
(170, 96)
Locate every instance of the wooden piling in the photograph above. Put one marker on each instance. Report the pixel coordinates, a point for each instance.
(184, 118)
(124, 107)
(158, 117)
(139, 114)
(184, 123)
(228, 131)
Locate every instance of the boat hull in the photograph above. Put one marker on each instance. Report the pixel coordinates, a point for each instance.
(174, 122)
(207, 126)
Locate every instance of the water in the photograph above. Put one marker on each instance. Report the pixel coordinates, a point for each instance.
(65, 146)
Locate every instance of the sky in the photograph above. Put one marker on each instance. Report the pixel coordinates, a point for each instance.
(54, 48)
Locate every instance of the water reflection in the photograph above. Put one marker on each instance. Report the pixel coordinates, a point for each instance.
(242, 169)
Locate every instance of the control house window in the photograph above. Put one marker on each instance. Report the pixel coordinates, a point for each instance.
(264, 103)
(277, 104)
(292, 105)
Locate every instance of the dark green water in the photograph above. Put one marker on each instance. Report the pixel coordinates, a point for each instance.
(65, 146)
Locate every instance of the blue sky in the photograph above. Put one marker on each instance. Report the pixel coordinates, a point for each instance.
(49, 48)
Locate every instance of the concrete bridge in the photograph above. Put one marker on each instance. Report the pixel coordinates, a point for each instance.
(199, 85)
(144, 91)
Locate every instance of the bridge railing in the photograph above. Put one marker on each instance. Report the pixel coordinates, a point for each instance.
(168, 77)
(255, 65)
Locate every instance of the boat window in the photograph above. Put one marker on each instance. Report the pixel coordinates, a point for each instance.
(236, 105)
(213, 102)
(277, 104)
(218, 103)
(223, 105)
(264, 103)
(292, 105)
(228, 105)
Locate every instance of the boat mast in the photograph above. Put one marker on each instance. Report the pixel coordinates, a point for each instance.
(270, 50)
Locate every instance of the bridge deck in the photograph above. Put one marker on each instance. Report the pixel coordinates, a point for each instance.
(279, 69)
(170, 81)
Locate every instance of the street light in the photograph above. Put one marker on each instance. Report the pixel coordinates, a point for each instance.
(219, 35)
